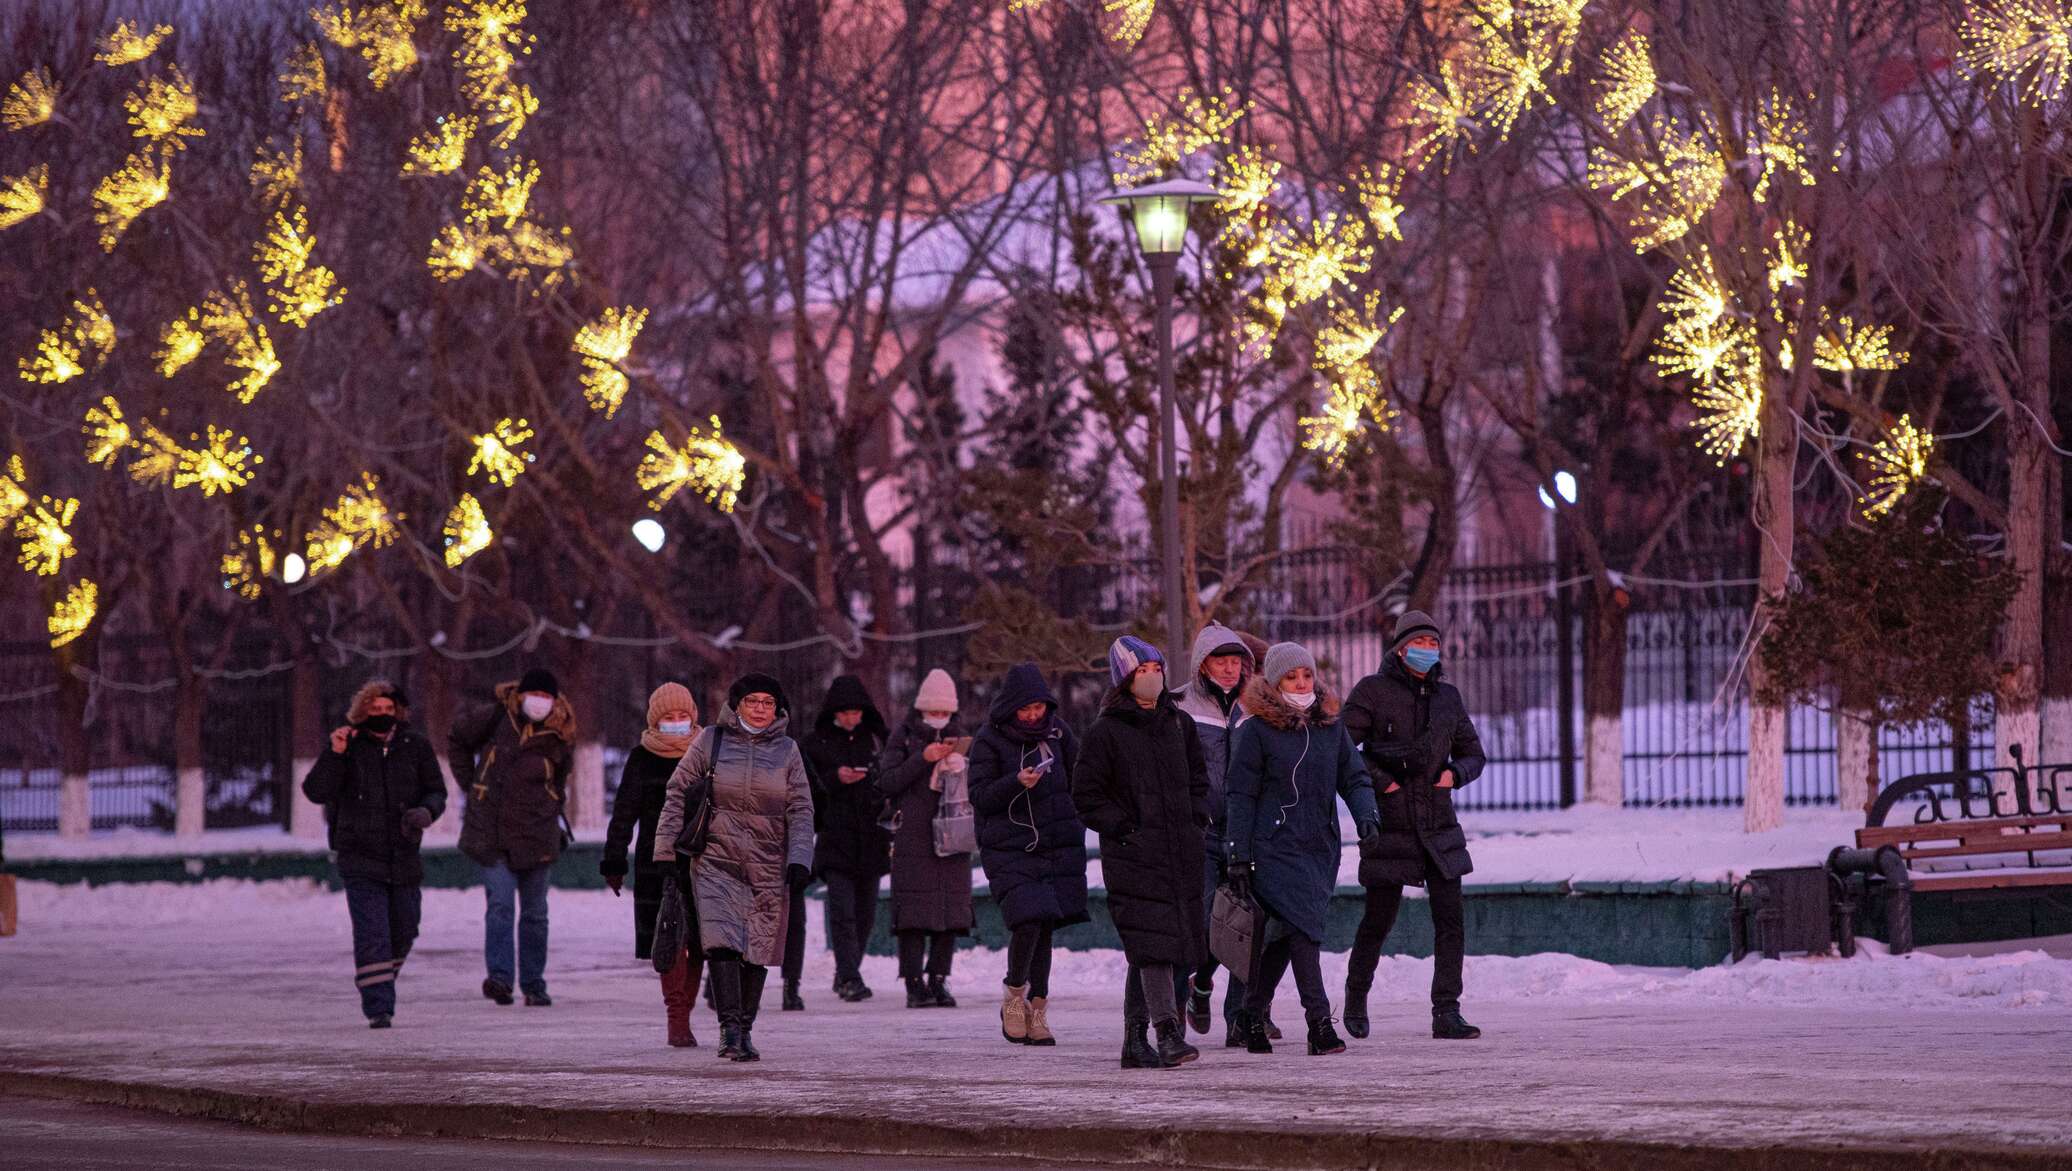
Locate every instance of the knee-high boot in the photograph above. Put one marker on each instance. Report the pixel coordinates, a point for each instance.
(677, 998)
(723, 976)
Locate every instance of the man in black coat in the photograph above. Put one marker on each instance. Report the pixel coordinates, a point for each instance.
(1420, 745)
(380, 786)
(850, 852)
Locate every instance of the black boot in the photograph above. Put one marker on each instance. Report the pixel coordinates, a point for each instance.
(744, 1048)
(1273, 1031)
(1173, 1048)
(1323, 1039)
(497, 990)
(1137, 1052)
(939, 992)
(793, 1002)
(1198, 1004)
(1356, 1011)
(1255, 1038)
(723, 980)
(917, 994)
(1448, 1026)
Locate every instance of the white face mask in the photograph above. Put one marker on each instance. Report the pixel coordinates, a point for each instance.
(674, 727)
(936, 722)
(1148, 686)
(538, 707)
(1299, 700)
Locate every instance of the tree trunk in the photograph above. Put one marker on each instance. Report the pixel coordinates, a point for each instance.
(308, 736)
(1604, 694)
(1776, 460)
(2056, 745)
(1854, 746)
(190, 782)
(75, 755)
(586, 777)
(2018, 697)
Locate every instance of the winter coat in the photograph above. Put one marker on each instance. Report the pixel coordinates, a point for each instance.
(1142, 785)
(1030, 841)
(1409, 730)
(1215, 722)
(514, 775)
(929, 893)
(850, 840)
(762, 824)
(1284, 770)
(366, 790)
(643, 786)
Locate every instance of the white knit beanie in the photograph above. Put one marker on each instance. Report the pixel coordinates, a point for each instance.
(938, 693)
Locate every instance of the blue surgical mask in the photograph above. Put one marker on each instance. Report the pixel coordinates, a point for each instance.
(1421, 658)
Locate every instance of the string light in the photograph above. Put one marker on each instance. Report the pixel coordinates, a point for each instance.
(1676, 185)
(74, 613)
(359, 520)
(31, 101)
(1787, 259)
(14, 490)
(218, 465)
(604, 346)
(302, 78)
(467, 531)
(107, 434)
(1331, 255)
(496, 452)
(1780, 144)
(128, 43)
(42, 530)
(455, 252)
(1899, 460)
(228, 319)
(296, 289)
(1628, 82)
(1133, 18)
(382, 33)
(1200, 123)
(1846, 347)
(440, 150)
(249, 562)
(1245, 183)
(162, 109)
(1352, 334)
(1695, 297)
(1730, 404)
(83, 340)
(532, 253)
(1517, 78)
(119, 199)
(1445, 109)
(490, 34)
(24, 196)
(2021, 38)
(157, 458)
(707, 464)
(1378, 193)
(500, 195)
(180, 342)
(277, 174)
(1354, 403)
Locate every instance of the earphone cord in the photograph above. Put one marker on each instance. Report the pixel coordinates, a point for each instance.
(1027, 795)
(1294, 774)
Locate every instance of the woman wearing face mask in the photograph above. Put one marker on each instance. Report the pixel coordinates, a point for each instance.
(758, 850)
(1142, 784)
(931, 894)
(1031, 842)
(1414, 731)
(672, 719)
(1290, 764)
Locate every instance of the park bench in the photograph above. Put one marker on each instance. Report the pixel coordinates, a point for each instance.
(2035, 850)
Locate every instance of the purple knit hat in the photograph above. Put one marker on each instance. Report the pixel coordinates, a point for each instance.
(1126, 654)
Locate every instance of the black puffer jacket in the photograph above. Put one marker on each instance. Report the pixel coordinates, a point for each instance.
(513, 774)
(636, 810)
(929, 893)
(365, 792)
(1410, 730)
(1030, 840)
(1141, 783)
(849, 839)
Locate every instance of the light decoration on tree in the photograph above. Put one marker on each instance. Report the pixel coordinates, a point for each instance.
(604, 345)
(1330, 255)
(42, 529)
(128, 43)
(218, 465)
(358, 521)
(14, 490)
(296, 289)
(180, 342)
(303, 78)
(1844, 347)
(1379, 193)
(491, 43)
(1790, 246)
(1132, 19)
(1695, 297)
(1628, 84)
(1517, 74)
(1352, 334)
(1780, 145)
(1673, 186)
(1201, 122)
(162, 110)
(74, 613)
(277, 174)
(440, 150)
(455, 252)
(24, 196)
(496, 452)
(2017, 39)
(138, 186)
(83, 341)
(1898, 461)
(707, 464)
(158, 456)
(500, 195)
(1443, 111)
(1352, 404)
(381, 33)
(467, 530)
(107, 433)
(1245, 180)
(228, 319)
(31, 101)
(249, 562)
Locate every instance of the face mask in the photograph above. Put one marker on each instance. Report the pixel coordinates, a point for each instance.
(379, 725)
(753, 725)
(1038, 722)
(674, 727)
(1148, 686)
(1299, 700)
(538, 707)
(936, 722)
(1421, 658)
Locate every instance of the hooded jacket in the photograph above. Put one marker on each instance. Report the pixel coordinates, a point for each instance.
(1031, 842)
(850, 841)
(1409, 730)
(365, 792)
(1216, 717)
(1142, 785)
(929, 893)
(513, 774)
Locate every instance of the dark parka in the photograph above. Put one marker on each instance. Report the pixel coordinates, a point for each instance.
(366, 790)
(513, 774)
(1409, 730)
(846, 816)
(1030, 841)
(643, 785)
(1142, 785)
(928, 893)
(1286, 768)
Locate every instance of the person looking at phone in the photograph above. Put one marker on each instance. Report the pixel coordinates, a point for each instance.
(852, 852)
(923, 764)
(1031, 841)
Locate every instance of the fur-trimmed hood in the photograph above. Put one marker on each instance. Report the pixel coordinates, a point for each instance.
(1263, 700)
(560, 722)
(371, 690)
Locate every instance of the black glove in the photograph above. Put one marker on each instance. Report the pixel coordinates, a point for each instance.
(797, 876)
(418, 818)
(1370, 835)
(682, 865)
(1239, 876)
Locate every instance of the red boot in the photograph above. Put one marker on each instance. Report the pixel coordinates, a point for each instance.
(679, 989)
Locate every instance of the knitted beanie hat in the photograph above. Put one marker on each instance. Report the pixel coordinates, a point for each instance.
(938, 693)
(1128, 653)
(1283, 657)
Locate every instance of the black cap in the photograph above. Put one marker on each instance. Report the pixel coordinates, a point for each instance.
(756, 681)
(539, 679)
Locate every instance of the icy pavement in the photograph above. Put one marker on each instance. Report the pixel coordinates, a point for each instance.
(246, 988)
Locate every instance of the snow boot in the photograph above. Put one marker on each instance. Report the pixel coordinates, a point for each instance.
(729, 1043)
(744, 1047)
(1173, 1049)
(676, 1005)
(497, 990)
(860, 991)
(793, 1002)
(1137, 1052)
(1323, 1039)
(1256, 1040)
(1198, 1005)
(1014, 1014)
(382, 1021)
(1039, 1026)
(1448, 1026)
(939, 992)
(1273, 1031)
(1234, 1032)
(917, 994)
(538, 1000)
(1356, 1011)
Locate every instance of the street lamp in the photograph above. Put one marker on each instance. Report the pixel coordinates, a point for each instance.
(650, 533)
(1159, 211)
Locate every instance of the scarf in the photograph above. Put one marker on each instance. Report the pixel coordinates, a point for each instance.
(672, 747)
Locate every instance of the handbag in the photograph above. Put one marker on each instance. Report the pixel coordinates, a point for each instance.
(697, 820)
(1237, 929)
(672, 925)
(956, 823)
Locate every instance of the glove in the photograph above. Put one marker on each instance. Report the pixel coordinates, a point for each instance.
(1370, 835)
(418, 818)
(797, 876)
(1239, 876)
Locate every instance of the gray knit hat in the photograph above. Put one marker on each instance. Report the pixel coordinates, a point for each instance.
(1410, 624)
(1283, 657)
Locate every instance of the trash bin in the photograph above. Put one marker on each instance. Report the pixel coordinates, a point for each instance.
(1785, 910)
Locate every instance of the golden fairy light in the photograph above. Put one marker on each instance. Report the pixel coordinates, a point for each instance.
(440, 150)
(1673, 186)
(1443, 111)
(382, 33)
(81, 342)
(1629, 80)
(1705, 351)
(467, 530)
(163, 108)
(1352, 334)
(1780, 145)
(1245, 180)
(604, 345)
(1330, 255)
(14, 490)
(228, 319)
(1201, 122)
(119, 199)
(218, 464)
(31, 101)
(707, 464)
(249, 562)
(1352, 404)
(128, 43)
(496, 452)
(1695, 297)
(43, 529)
(277, 174)
(1132, 19)
(296, 289)
(107, 433)
(500, 195)
(506, 106)
(74, 613)
(359, 520)
(180, 342)
(1786, 261)
(491, 43)
(302, 77)
(531, 253)
(157, 456)
(23, 197)
(1899, 460)
(2026, 43)
(1730, 410)
(1379, 192)
(456, 251)
(1517, 78)
(1845, 346)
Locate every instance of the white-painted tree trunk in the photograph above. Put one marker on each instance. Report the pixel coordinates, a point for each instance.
(75, 806)
(2023, 727)
(1762, 806)
(190, 803)
(305, 817)
(2057, 747)
(1604, 761)
(1852, 761)
(586, 801)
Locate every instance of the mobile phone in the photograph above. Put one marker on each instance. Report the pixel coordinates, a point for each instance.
(1043, 766)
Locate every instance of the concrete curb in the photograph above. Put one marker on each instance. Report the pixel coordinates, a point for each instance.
(1230, 1149)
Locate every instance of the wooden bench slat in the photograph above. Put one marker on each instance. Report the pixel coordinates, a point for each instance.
(2062, 877)
(2002, 844)
(1893, 835)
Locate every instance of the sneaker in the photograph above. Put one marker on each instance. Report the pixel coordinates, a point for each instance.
(1324, 1040)
(1198, 1006)
(380, 1022)
(497, 990)
(538, 1000)
(1448, 1026)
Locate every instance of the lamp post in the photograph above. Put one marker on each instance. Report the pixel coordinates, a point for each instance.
(1159, 211)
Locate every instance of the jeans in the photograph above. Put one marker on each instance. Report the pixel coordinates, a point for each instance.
(795, 936)
(1449, 939)
(1147, 996)
(1205, 976)
(384, 917)
(1299, 951)
(937, 946)
(524, 891)
(852, 914)
(1028, 958)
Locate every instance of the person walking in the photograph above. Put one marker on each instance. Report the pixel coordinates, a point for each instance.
(1288, 762)
(1142, 785)
(511, 759)
(672, 719)
(1031, 842)
(379, 783)
(924, 765)
(851, 851)
(1413, 729)
(1219, 669)
(748, 772)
